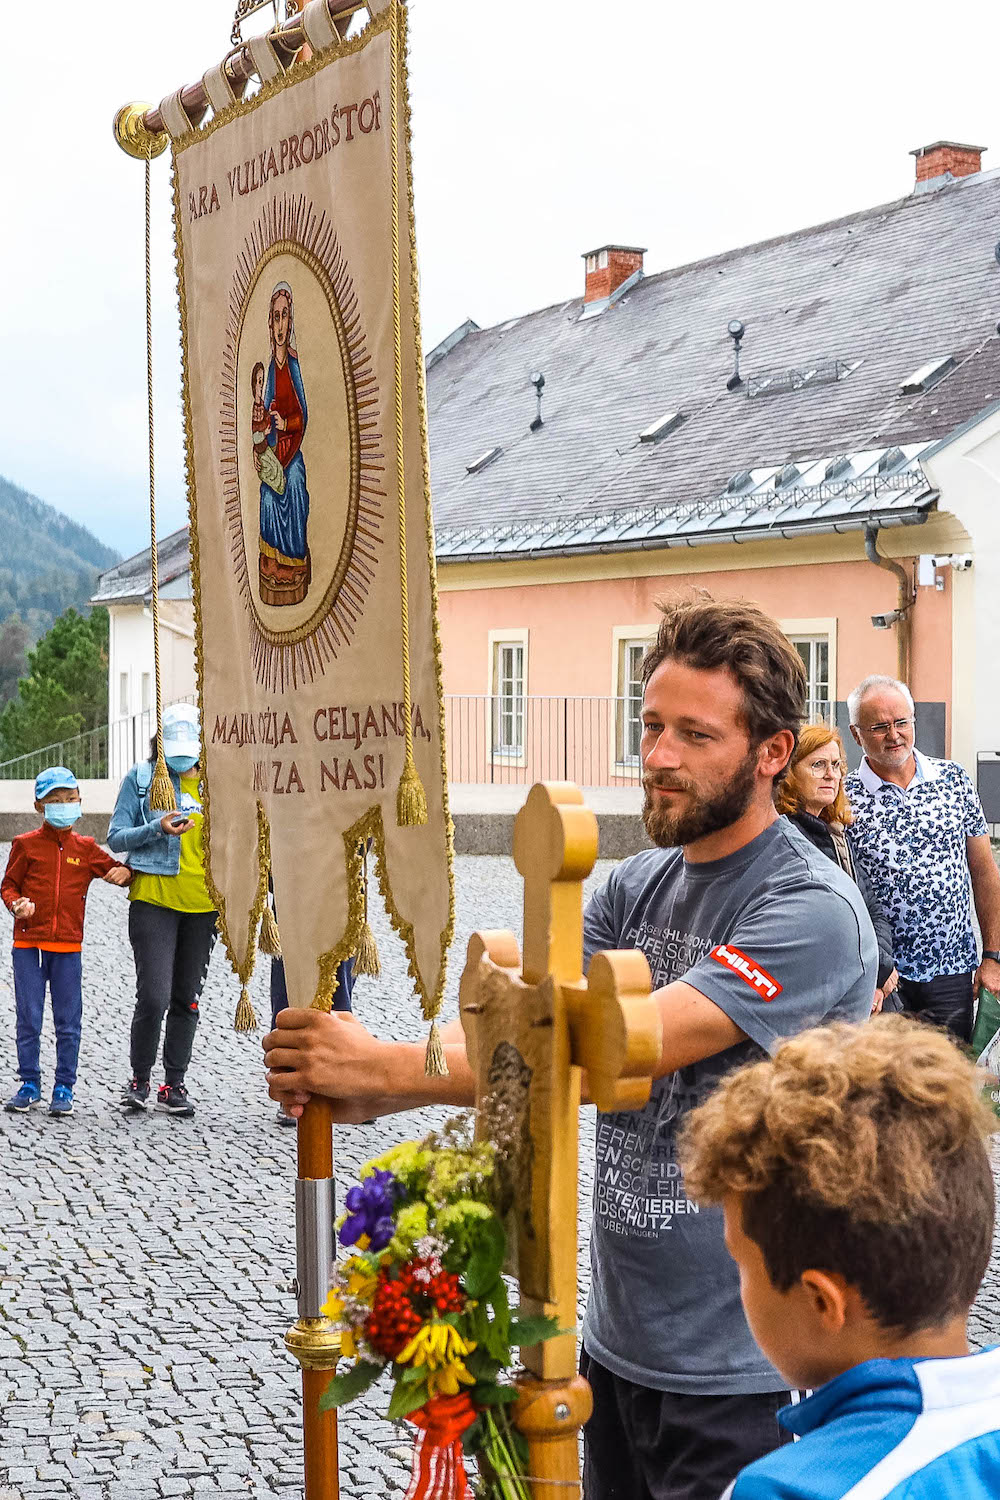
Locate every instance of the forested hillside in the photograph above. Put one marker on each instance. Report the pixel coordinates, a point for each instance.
(47, 562)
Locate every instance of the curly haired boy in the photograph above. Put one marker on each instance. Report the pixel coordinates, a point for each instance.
(855, 1182)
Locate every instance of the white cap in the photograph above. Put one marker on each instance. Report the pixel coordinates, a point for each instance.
(181, 730)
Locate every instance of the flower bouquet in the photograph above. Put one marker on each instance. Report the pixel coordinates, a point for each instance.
(422, 1293)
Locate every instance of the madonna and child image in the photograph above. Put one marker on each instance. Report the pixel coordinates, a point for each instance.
(278, 424)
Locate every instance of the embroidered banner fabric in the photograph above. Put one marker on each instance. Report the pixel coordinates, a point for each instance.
(303, 385)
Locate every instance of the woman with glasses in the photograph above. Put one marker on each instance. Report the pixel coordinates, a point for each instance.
(812, 797)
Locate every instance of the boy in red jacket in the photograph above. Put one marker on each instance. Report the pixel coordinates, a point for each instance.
(45, 886)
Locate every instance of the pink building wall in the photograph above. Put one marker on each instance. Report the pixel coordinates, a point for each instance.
(570, 625)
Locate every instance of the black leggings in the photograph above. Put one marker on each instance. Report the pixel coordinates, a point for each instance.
(172, 949)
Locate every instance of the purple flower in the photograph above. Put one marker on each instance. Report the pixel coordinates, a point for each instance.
(369, 1211)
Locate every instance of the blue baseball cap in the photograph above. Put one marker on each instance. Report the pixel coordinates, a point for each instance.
(51, 779)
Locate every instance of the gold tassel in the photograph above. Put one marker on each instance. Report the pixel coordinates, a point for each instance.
(366, 960)
(435, 1065)
(246, 1016)
(270, 938)
(411, 799)
(161, 788)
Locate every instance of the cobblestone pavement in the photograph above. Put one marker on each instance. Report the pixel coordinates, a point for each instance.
(145, 1262)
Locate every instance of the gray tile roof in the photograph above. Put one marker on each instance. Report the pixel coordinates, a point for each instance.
(131, 581)
(870, 298)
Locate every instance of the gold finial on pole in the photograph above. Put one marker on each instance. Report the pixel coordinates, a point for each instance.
(132, 135)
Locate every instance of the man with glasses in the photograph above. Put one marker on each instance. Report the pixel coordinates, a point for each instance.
(920, 836)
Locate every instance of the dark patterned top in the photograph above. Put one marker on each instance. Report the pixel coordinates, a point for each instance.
(911, 845)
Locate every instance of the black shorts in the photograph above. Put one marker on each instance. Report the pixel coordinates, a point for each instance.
(642, 1444)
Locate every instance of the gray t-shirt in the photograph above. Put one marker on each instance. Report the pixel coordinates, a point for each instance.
(779, 938)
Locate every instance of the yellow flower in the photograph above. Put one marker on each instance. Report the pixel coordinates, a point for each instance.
(333, 1307)
(348, 1345)
(445, 1382)
(436, 1345)
(361, 1282)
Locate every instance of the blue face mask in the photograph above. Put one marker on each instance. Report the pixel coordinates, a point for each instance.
(182, 763)
(62, 814)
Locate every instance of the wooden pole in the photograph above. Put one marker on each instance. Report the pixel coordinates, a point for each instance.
(239, 64)
(313, 1341)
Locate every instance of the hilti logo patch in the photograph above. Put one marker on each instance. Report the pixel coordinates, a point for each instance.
(758, 979)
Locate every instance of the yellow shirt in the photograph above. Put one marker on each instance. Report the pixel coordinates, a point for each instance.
(185, 891)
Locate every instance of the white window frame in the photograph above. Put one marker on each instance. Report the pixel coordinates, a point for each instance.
(514, 754)
(623, 639)
(818, 630)
(146, 700)
(124, 695)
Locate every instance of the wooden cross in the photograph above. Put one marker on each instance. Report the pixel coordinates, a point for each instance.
(533, 1028)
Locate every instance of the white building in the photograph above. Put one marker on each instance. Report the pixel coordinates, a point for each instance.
(125, 592)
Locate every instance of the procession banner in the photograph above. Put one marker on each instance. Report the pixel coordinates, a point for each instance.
(314, 589)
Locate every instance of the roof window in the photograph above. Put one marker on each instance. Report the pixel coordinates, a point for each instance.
(659, 429)
(891, 459)
(739, 481)
(484, 459)
(928, 375)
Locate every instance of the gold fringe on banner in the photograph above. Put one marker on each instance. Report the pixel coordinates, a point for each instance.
(270, 938)
(434, 1059)
(366, 959)
(246, 1016)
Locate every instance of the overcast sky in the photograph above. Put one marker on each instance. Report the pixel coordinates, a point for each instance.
(540, 131)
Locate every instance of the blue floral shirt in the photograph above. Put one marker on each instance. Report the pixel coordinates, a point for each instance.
(910, 842)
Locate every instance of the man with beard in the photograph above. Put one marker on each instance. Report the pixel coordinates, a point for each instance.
(752, 935)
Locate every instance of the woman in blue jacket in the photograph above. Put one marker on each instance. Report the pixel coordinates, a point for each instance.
(172, 918)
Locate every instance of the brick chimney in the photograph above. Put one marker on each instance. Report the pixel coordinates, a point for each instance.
(607, 268)
(944, 162)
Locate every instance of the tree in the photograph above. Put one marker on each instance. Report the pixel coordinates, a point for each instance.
(14, 638)
(66, 689)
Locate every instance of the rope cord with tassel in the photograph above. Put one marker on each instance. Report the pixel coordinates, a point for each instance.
(411, 799)
(161, 789)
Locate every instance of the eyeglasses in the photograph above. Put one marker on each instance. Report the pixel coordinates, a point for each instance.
(833, 766)
(883, 729)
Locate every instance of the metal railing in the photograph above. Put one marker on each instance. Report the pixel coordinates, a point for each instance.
(94, 755)
(490, 738)
(494, 738)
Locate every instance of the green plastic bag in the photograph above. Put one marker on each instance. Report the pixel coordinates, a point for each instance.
(986, 1045)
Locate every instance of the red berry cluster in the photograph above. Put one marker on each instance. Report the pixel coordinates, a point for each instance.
(443, 1290)
(393, 1320)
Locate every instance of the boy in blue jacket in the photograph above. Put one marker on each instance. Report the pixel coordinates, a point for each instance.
(856, 1188)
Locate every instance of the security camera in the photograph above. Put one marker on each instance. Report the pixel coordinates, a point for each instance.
(887, 621)
(961, 561)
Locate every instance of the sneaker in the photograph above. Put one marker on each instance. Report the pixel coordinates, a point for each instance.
(172, 1099)
(135, 1095)
(284, 1119)
(27, 1096)
(62, 1100)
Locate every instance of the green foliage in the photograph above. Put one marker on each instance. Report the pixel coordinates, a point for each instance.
(486, 1260)
(354, 1382)
(14, 641)
(66, 689)
(49, 563)
(530, 1328)
(406, 1398)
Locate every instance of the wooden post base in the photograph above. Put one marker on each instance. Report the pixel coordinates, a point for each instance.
(549, 1414)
